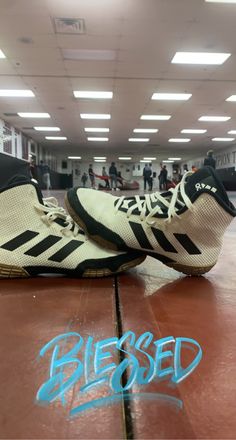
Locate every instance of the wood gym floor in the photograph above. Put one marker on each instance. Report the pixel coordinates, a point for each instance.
(150, 298)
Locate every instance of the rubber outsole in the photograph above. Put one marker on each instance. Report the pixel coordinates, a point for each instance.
(8, 271)
(187, 270)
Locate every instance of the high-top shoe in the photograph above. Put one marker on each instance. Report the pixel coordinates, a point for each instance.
(183, 227)
(38, 237)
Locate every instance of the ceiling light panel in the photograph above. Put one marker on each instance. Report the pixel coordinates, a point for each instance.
(168, 161)
(174, 158)
(145, 130)
(223, 139)
(231, 98)
(74, 157)
(95, 116)
(56, 138)
(192, 131)
(33, 115)
(139, 139)
(220, 1)
(171, 96)
(96, 130)
(155, 117)
(179, 140)
(89, 55)
(93, 95)
(17, 93)
(200, 58)
(149, 158)
(232, 132)
(214, 118)
(124, 158)
(99, 160)
(2, 54)
(98, 139)
(47, 129)
(100, 157)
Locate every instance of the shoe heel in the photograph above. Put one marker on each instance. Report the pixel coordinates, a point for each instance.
(7, 271)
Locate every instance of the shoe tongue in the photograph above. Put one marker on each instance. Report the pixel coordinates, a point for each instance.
(20, 179)
(205, 179)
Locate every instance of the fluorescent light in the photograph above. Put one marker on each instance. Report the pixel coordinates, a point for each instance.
(100, 157)
(124, 158)
(223, 139)
(193, 131)
(167, 161)
(214, 118)
(179, 140)
(34, 115)
(144, 161)
(99, 160)
(172, 96)
(139, 139)
(200, 58)
(89, 55)
(98, 139)
(2, 54)
(94, 116)
(174, 158)
(97, 130)
(56, 138)
(155, 117)
(232, 132)
(74, 157)
(150, 158)
(231, 98)
(17, 93)
(93, 95)
(145, 130)
(220, 1)
(47, 128)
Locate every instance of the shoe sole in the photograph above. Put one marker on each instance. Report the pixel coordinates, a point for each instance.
(7, 271)
(187, 270)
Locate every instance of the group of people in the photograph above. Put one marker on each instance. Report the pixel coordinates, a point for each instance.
(113, 176)
(148, 177)
(110, 179)
(164, 183)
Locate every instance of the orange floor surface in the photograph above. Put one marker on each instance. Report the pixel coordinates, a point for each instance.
(150, 298)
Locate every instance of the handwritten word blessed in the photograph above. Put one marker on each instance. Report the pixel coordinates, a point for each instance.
(85, 360)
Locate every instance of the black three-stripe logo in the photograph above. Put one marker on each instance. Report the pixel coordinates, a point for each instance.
(162, 240)
(42, 246)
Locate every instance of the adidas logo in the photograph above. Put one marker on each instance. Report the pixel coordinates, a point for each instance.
(42, 245)
(200, 186)
(163, 241)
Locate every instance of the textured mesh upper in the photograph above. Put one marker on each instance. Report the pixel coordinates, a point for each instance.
(18, 214)
(204, 225)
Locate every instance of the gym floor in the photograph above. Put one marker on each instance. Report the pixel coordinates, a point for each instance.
(150, 298)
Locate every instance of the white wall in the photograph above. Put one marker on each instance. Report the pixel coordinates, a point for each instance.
(225, 158)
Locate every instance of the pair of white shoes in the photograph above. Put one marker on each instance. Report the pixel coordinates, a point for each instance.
(183, 228)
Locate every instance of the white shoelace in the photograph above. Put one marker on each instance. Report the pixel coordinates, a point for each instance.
(51, 211)
(145, 204)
